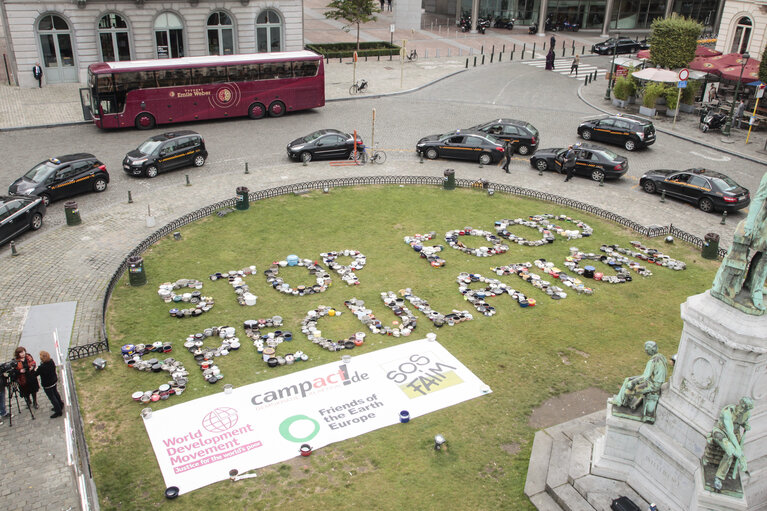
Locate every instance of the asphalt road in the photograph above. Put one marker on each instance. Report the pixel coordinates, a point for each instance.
(515, 90)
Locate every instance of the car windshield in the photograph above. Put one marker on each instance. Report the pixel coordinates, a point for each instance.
(609, 41)
(313, 136)
(149, 147)
(40, 172)
(724, 183)
(493, 139)
(609, 154)
(448, 135)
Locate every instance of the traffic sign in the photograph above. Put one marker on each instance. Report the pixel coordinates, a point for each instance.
(684, 74)
(760, 91)
(681, 85)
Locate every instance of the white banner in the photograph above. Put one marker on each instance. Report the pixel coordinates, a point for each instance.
(198, 442)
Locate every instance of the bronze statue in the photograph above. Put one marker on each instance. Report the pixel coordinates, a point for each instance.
(727, 435)
(737, 282)
(644, 388)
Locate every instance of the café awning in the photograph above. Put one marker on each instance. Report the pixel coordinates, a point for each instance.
(654, 74)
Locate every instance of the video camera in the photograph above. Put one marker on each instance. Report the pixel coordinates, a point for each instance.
(9, 370)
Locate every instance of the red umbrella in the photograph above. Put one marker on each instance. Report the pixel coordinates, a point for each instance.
(700, 51)
(750, 72)
(643, 54)
(716, 63)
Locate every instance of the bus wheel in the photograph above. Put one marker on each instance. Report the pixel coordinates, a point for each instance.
(144, 121)
(276, 109)
(256, 111)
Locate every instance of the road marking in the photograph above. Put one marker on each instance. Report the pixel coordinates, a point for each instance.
(721, 158)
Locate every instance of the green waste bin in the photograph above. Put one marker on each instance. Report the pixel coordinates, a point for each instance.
(136, 274)
(710, 246)
(243, 202)
(72, 213)
(449, 183)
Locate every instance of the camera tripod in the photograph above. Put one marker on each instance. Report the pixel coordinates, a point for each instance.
(14, 391)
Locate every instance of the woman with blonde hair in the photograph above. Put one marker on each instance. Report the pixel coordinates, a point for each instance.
(48, 379)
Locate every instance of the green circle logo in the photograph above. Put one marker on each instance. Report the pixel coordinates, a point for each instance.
(287, 423)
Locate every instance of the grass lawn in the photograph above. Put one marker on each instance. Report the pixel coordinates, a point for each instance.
(526, 355)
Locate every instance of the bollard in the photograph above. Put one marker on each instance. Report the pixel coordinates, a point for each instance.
(136, 274)
(511, 57)
(583, 50)
(467, 62)
(540, 172)
(420, 159)
(602, 181)
(544, 48)
(449, 183)
(130, 198)
(14, 252)
(499, 56)
(491, 57)
(483, 59)
(586, 81)
(482, 49)
(663, 196)
(724, 217)
(524, 46)
(480, 164)
(72, 213)
(573, 52)
(188, 183)
(533, 50)
(246, 168)
(243, 203)
(503, 49)
(595, 75)
(493, 50)
(475, 61)
(514, 47)
(563, 48)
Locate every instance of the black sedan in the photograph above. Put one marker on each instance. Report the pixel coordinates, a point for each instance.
(18, 214)
(591, 161)
(522, 134)
(624, 45)
(709, 190)
(324, 144)
(462, 145)
(57, 178)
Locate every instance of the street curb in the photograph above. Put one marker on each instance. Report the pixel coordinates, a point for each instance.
(41, 126)
(677, 135)
(398, 93)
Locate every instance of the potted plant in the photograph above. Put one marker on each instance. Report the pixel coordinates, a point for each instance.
(632, 86)
(671, 94)
(689, 94)
(621, 92)
(650, 94)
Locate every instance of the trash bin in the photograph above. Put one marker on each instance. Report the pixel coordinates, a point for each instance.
(710, 246)
(449, 183)
(136, 274)
(72, 213)
(243, 202)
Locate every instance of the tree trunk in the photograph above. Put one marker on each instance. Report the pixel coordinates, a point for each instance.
(358, 36)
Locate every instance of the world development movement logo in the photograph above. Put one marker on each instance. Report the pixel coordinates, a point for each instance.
(220, 420)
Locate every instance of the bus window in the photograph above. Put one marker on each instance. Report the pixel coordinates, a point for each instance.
(256, 72)
(172, 77)
(269, 71)
(105, 83)
(204, 75)
(305, 68)
(146, 79)
(284, 70)
(239, 73)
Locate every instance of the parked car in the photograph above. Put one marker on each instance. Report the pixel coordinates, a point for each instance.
(630, 132)
(324, 144)
(521, 132)
(462, 145)
(165, 152)
(624, 44)
(591, 161)
(19, 213)
(57, 178)
(709, 190)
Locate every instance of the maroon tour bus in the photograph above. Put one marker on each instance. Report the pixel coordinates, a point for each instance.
(145, 93)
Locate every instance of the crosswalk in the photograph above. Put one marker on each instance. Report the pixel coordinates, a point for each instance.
(562, 66)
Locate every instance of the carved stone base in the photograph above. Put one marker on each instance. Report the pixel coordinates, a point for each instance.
(730, 487)
(743, 302)
(634, 415)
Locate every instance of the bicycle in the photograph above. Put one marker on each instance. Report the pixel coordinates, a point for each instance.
(377, 155)
(358, 87)
(413, 55)
(362, 156)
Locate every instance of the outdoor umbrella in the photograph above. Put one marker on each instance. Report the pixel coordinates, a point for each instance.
(654, 74)
(700, 51)
(716, 63)
(750, 72)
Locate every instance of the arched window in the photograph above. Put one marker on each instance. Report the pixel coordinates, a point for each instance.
(742, 36)
(268, 31)
(220, 34)
(56, 46)
(169, 36)
(113, 37)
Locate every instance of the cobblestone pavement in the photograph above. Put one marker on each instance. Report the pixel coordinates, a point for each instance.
(64, 263)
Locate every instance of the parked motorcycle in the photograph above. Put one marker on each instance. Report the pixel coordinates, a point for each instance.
(482, 25)
(532, 29)
(712, 121)
(507, 23)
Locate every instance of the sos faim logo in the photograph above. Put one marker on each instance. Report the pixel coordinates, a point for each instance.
(220, 419)
(224, 95)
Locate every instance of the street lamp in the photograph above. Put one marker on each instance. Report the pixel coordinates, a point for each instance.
(728, 124)
(612, 68)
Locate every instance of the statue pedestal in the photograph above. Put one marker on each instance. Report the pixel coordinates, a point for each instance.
(722, 357)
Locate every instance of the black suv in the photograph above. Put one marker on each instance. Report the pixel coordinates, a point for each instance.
(62, 177)
(19, 213)
(520, 132)
(625, 45)
(166, 152)
(629, 132)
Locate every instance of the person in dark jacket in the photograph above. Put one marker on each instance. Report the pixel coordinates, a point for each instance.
(48, 379)
(508, 151)
(553, 41)
(569, 163)
(550, 60)
(37, 72)
(27, 378)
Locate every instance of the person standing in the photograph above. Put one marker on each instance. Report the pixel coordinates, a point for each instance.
(574, 65)
(388, 5)
(739, 108)
(550, 60)
(569, 163)
(37, 71)
(508, 151)
(553, 41)
(382, 2)
(49, 379)
(27, 378)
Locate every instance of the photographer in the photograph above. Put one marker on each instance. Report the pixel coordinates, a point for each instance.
(3, 412)
(25, 366)
(48, 379)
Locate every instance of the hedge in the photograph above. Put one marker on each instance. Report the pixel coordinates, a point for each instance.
(343, 50)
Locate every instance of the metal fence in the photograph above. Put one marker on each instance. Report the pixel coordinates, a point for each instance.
(77, 352)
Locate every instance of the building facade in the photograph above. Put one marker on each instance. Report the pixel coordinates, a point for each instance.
(67, 36)
(743, 28)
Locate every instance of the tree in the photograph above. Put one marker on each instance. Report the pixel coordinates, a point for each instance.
(353, 12)
(763, 66)
(673, 41)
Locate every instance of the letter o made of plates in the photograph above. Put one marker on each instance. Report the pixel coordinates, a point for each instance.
(322, 278)
(453, 238)
(186, 297)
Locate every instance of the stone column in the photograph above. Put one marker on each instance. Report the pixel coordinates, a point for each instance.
(608, 16)
(669, 8)
(542, 18)
(474, 15)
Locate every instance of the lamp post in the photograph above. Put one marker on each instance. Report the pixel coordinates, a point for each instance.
(612, 68)
(728, 124)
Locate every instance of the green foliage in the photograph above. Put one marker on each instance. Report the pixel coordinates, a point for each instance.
(344, 50)
(673, 41)
(353, 12)
(690, 92)
(623, 88)
(671, 94)
(763, 66)
(651, 93)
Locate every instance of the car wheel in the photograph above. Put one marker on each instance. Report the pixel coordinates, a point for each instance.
(649, 186)
(523, 150)
(36, 222)
(432, 153)
(541, 165)
(630, 145)
(145, 121)
(100, 185)
(46, 199)
(485, 159)
(306, 157)
(151, 171)
(597, 175)
(256, 111)
(586, 135)
(276, 109)
(706, 205)
(199, 160)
